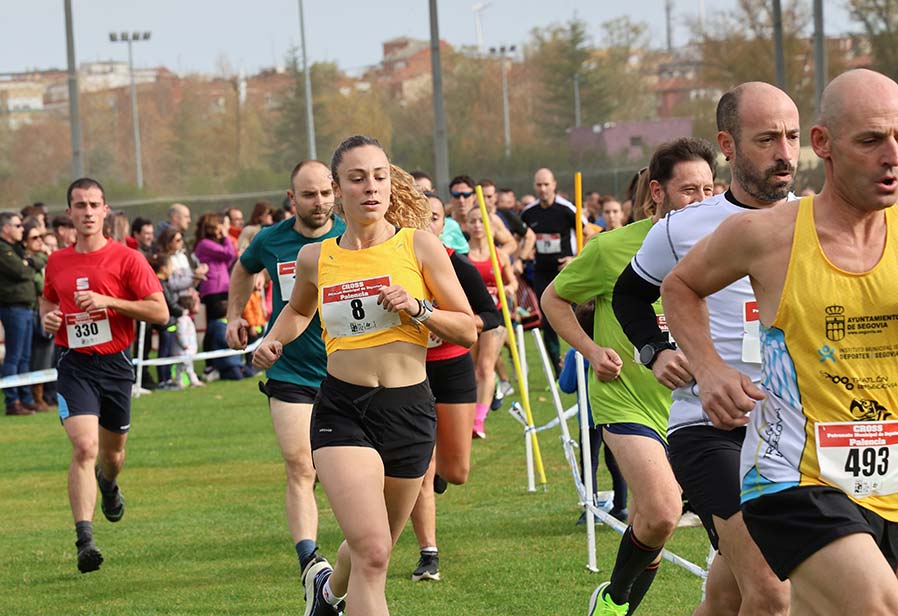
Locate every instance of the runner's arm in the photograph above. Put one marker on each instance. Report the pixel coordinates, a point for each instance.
(454, 321)
(151, 308)
(239, 290)
(715, 262)
(559, 311)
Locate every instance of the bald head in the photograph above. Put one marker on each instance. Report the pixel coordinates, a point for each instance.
(747, 100)
(855, 94)
(544, 184)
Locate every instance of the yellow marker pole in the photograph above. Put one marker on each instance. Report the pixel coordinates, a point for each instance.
(506, 315)
(578, 202)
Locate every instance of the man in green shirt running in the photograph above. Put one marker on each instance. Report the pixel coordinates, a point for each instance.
(628, 402)
(294, 379)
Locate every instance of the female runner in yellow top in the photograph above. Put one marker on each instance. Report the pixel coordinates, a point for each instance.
(373, 423)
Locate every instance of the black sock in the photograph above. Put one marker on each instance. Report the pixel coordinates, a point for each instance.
(106, 486)
(632, 559)
(85, 532)
(641, 585)
(305, 550)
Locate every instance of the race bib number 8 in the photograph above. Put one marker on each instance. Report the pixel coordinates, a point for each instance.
(351, 308)
(859, 456)
(85, 329)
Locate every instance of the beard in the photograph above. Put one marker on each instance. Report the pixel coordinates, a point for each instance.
(762, 185)
(317, 218)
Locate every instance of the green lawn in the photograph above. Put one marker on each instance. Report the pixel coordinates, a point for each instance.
(205, 531)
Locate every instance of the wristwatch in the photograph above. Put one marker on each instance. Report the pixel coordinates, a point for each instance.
(649, 353)
(425, 309)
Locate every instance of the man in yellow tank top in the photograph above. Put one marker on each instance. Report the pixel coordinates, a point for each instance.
(819, 489)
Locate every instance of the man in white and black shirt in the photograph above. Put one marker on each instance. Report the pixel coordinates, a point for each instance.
(553, 220)
(759, 134)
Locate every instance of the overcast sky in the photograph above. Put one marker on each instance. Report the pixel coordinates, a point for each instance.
(196, 35)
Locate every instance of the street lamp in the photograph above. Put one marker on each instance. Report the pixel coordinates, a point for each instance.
(501, 53)
(133, 37)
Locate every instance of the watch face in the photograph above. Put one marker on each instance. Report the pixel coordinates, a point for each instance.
(646, 354)
(427, 304)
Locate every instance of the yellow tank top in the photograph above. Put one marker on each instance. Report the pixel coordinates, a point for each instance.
(830, 368)
(349, 282)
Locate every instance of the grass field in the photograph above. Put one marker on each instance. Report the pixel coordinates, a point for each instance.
(205, 531)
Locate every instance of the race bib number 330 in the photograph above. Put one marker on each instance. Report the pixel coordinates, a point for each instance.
(85, 329)
(859, 456)
(351, 308)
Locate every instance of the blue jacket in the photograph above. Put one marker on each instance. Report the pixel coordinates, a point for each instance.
(567, 381)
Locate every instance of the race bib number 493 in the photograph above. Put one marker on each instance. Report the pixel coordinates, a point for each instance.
(859, 456)
(351, 308)
(85, 329)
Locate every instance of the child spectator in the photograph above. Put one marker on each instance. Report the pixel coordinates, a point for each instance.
(185, 342)
(161, 264)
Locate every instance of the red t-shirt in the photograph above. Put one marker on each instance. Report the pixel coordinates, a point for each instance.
(114, 270)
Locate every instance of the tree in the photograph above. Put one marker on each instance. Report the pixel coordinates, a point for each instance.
(880, 21)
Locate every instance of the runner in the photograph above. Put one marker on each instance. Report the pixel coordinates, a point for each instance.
(489, 343)
(294, 379)
(373, 423)
(818, 494)
(627, 401)
(94, 291)
(759, 135)
(450, 371)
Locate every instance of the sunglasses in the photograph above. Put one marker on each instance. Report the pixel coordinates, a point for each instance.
(31, 238)
(459, 195)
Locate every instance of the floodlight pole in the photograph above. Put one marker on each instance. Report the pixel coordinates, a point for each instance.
(440, 137)
(131, 38)
(74, 113)
(310, 117)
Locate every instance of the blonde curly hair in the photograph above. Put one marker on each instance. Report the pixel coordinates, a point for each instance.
(408, 205)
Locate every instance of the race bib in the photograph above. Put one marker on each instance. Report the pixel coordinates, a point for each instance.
(351, 308)
(751, 333)
(85, 329)
(286, 278)
(548, 243)
(859, 456)
(662, 324)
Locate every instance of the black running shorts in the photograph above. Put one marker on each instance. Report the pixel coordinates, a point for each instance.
(97, 385)
(452, 380)
(288, 392)
(399, 423)
(791, 526)
(705, 461)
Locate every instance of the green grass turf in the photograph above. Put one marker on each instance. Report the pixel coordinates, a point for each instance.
(205, 533)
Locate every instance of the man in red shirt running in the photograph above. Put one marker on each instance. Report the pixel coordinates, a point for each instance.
(94, 290)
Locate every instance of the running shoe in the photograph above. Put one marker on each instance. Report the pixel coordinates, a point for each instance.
(428, 567)
(689, 520)
(316, 573)
(601, 604)
(112, 503)
(505, 388)
(89, 557)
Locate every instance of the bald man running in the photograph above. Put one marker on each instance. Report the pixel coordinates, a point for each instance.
(759, 134)
(553, 220)
(819, 490)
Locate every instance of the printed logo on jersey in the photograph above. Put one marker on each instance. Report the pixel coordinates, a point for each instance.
(826, 352)
(868, 410)
(82, 284)
(835, 322)
(838, 380)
